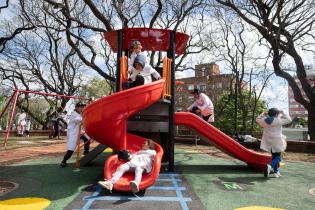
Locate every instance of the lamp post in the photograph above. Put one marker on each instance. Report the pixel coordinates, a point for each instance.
(235, 102)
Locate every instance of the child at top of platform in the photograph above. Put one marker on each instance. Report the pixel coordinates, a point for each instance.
(135, 50)
(141, 161)
(272, 140)
(141, 73)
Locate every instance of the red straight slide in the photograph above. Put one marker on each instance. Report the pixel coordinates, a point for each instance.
(105, 121)
(222, 141)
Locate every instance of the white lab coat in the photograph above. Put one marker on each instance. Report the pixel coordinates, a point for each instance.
(273, 140)
(146, 72)
(205, 105)
(144, 159)
(75, 121)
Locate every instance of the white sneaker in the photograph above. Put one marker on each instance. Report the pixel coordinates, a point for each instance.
(107, 185)
(277, 175)
(134, 187)
(267, 171)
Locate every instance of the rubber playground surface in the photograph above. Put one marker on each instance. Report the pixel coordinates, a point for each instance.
(201, 181)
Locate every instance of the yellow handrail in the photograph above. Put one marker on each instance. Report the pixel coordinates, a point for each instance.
(123, 70)
(167, 64)
(77, 164)
(79, 146)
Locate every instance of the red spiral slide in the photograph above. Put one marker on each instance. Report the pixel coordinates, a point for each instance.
(222, 141)
(105, 121)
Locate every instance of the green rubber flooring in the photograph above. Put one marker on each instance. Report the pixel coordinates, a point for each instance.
(223, 184)
(209, 183)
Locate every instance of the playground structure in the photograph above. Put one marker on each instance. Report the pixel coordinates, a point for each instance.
(148, 110)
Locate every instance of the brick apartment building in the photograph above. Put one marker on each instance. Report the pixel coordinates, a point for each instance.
(296, 109)
(208, 79)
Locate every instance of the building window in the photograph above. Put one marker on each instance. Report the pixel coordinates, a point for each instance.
(219, 85)
(191, 99)
(203, 88)
(180, 99)
(292, 100)
(203, 71)
(294, 106)
(190, 87)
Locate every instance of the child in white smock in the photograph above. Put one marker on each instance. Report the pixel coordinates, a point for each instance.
(141, 161)
(273, 140)
(141, 74)
(75, 121)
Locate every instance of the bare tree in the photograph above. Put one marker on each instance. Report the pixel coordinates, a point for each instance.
(24, 25)
(39, 61)
(97, 17)
(286, 26)
(234, 46)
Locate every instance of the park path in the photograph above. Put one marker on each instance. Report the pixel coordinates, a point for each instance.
(10, 156)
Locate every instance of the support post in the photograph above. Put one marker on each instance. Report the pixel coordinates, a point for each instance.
(8, 103)
(171, 54)
(11, 117)
(119, 54)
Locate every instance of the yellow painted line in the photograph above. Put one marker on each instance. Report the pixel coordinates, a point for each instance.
(108, 150)
(258, 208)
(25, 204)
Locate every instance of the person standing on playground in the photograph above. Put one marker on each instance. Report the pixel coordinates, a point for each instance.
(60, 124)
(64, 121)
(272, 140)
(27, 127)
(202, 106)
(141, 161)
(21, 123)
(74, 124)
(141, 74)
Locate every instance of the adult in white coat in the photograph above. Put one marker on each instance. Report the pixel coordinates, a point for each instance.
(273, 140)
(75, 121)
(141, 161)
(202, 106)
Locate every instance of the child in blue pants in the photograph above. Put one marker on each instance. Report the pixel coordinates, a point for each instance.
(272, 140)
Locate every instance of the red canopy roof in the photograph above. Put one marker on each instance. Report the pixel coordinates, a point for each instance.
(151, 39)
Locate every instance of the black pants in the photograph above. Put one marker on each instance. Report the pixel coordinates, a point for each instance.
(70, 152)
(195, 109)
(56, 129)
(138, 81)
(206, 118)
(86, 144)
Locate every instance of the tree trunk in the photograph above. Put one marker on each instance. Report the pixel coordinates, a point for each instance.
(311, 124)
